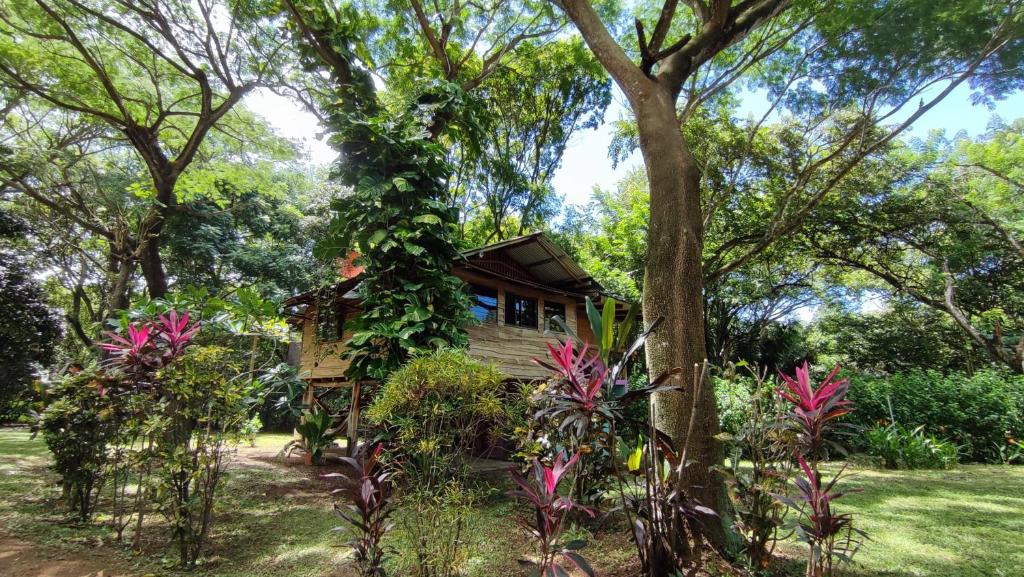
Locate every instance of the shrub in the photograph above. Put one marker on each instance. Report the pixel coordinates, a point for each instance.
(761, 439)
(433, 410)
(813, 414)
(582, 407)
(77, 424)
(316, 435)
(905, 448)
(830, 535)
(978, 413)
(205, 409)
(550, 512)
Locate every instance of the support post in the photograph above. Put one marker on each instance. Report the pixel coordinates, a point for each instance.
(353, 420)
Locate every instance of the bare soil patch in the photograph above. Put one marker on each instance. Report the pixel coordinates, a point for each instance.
(24, 559)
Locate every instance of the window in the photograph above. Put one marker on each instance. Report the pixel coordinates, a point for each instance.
(330, 322)
(485, 304)
(520, 311)
(552, 310)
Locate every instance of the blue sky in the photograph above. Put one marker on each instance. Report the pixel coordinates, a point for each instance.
(586, 163)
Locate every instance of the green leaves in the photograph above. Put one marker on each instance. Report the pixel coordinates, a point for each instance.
(427, 219)
(395, 216)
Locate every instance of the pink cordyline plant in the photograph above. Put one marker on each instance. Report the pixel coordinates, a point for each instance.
(153, 344)
(175, 332)
(831, 536)
(132, 351)
(579, 386)
(815, 410)
(550, 510)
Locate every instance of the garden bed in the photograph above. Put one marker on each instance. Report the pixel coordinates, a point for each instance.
(276, 520)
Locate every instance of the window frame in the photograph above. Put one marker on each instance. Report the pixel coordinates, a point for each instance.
(510, 299)
(337, 316)
(551, 326)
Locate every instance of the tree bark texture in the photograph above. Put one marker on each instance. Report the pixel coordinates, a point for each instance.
(673, 289)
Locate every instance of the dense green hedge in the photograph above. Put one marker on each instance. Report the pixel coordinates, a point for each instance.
(977, 412)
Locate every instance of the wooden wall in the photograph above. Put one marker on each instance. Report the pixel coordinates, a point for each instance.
(323, 361)
(511, 348)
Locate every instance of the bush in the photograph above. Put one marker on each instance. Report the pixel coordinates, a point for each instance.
(206, 408)
(977, 413)
(434, 408)
(77, 424)
(905, 448)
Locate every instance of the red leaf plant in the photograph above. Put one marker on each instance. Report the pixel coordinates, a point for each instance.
(133, 351)
(175, 333)
(151, 344)
(367, 489)
(578, 388)
(831, 536)
(551, 510)
(815, 410)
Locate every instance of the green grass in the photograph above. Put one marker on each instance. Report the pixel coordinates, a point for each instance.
(276, 521)
(965, 522)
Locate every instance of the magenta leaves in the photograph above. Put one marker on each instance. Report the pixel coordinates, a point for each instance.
(153, 344)
(830, 535)
(175, 333)
(367, 509)
(551, 510)
(814, 411)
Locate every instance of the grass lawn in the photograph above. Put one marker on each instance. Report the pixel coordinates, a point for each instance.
(275, 520)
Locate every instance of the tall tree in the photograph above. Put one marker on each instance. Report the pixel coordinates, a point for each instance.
(945, 228)
(853, 65)
(160, 75)
(392, 153)
(29, 328)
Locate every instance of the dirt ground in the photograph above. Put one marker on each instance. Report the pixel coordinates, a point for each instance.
(20, 558)
(23, 559)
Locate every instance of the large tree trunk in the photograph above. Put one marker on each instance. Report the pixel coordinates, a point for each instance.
(673, 289)
(153, 267)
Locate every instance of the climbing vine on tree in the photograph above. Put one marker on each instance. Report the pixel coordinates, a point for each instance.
(396, 216)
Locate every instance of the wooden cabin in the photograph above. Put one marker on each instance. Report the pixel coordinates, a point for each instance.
(517, 286)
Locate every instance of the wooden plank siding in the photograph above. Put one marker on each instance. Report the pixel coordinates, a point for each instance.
(322, 361)
(511, 348)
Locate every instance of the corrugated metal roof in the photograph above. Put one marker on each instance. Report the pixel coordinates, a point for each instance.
(535, 253)
(543, 260)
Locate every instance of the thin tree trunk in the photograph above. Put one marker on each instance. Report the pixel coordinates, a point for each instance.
(673, 289)
(121, 267)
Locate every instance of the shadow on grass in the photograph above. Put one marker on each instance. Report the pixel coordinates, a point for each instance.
(965, 522)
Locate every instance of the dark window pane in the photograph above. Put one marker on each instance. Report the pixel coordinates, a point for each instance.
(485, 304)
(552, 310)
(520, 311)
(330, 323)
